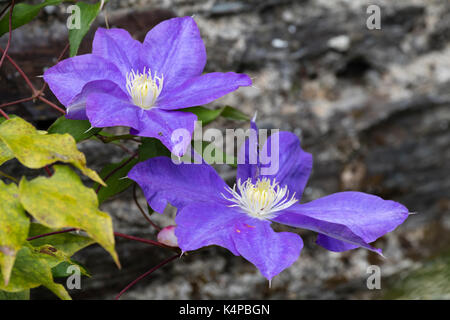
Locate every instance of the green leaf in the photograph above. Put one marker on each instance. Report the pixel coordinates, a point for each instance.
(79, 129)
(204, 114)
(116, 173)
(213, 155)
(234, 114)
(5, 153)
(88, 14)
(150, 148)
(62, 201)
(207, 115)
(60, 271)
(55, 257)
(22, 14)
(30, 271)
(14, 226)
(68, 243)
(21, 295)
(36, 150)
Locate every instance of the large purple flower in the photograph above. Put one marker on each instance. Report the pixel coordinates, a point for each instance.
(141, 85)
(239, 218)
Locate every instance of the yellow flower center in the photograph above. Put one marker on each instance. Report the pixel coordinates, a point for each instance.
(261, 199)
(144, 88)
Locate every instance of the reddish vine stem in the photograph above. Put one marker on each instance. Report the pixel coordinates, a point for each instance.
(51, 233)
(24, 76)
(3, 113)
(117, 234)
(163, 263)
(142, 210)
(51, 104)
(147, 241)
(117, 169)
(61, 55)
(16, 102)
(10, 33)
(49, 172)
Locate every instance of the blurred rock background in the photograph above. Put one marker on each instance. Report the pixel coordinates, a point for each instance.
(372, 106)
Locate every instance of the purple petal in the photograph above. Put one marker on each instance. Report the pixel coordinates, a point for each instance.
(112, 108)
(67, 78)
(118, 47)
(173, 128)
(76, 109)
(202, 89)
(269, 251)
(334, 244)
(248, 156)
(207, 223)
(175, 50)
(283, 158)
(179, 184)
(354, 217)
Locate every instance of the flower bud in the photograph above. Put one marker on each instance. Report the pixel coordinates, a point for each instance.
(167, 236)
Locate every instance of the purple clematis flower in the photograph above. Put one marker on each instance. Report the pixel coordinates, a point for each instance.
(239, 218)
(141, 85)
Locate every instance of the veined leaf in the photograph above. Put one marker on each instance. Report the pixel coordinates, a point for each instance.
(36, 150)
(79, 129)
(88, 14)
(30, 271)
(62, 201)
(213, 155)
(14, 226)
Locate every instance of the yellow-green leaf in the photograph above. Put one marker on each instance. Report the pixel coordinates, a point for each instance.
(62, 201)
(5, 153)
(36, 150)
(30, 271)
(14, 226)
(68, 243)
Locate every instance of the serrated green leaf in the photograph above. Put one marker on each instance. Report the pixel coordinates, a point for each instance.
(62, 201)
(22, 14)
(31, 270)
(117, 183)
(21, 295)
(36, 150)
(88, 14)
(14, 225)
(150, 148)
(79, 129)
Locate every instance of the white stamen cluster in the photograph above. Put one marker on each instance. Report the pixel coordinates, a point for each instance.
(261, 199)
(144, 88)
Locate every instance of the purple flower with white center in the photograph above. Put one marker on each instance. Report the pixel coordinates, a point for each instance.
(141, 85)
(239, 218)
